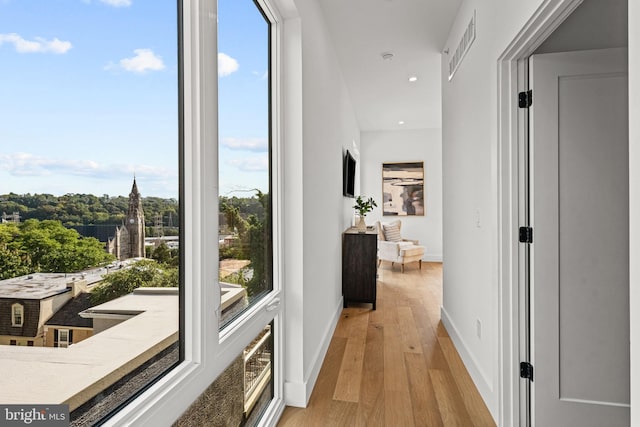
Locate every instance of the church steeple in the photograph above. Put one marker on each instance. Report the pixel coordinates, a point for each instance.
(135, 202)
(128, 241)
(134, 188)
(135, 223)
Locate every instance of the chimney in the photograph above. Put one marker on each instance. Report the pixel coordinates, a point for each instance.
(77, 287)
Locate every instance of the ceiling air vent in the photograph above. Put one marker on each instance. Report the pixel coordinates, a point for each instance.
(463, 47)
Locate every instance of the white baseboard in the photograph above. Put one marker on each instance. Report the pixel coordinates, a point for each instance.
(482, 382)
(298, 393)
(295, 394)
(432, 258)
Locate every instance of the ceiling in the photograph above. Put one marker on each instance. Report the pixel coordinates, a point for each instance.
(414, 31)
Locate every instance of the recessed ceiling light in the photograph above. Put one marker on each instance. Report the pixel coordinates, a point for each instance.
(401, 122)
(387, 56)
(413, 78)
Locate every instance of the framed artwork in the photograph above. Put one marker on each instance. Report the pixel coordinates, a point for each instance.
(403, 188)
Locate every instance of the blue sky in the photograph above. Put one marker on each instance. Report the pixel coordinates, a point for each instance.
(88, 97)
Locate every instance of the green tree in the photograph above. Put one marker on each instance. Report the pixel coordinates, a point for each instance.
(85, 209)
(251, 218)
(54, 248)
(8, 232)
(38, 240)
(12, 264)
(168, 278)
(233, 219)
(13, 261)
(145, 273)
(47, 246)
(161, 253)
(175, 257)
(260, 252)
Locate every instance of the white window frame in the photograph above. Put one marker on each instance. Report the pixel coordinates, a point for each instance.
(20, 309)
(208, 351)
(63, 343)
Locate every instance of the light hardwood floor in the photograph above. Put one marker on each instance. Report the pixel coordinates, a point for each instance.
(395, 366)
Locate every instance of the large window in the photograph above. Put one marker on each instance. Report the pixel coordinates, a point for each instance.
(247, 198)
(90, 236)
(244, 162)
(111, 112)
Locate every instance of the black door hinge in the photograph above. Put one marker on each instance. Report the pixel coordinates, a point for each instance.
(525, 235)
(526, 370)
(525, 99)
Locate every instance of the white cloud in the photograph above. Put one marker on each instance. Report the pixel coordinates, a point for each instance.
(251, 164)
(261, 76)
(248, 144)
(144, 60)
(37, 45)
(226, 65)
(113, 3)
(117, 3)
(25, 164)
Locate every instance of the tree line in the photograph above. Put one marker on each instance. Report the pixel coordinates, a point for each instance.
(88, 209)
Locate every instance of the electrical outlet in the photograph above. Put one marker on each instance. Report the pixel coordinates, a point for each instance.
(479, 328)
(477, 218)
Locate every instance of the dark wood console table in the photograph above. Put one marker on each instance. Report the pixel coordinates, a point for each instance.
(359, 259)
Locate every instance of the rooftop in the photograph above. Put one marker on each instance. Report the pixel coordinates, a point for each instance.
(69, 314)
(34, 286)
(44, 285)
(75, 374)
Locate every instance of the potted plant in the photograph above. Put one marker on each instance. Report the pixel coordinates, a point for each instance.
(364, 206)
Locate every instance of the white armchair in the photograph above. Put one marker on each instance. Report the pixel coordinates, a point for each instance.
(392, 247)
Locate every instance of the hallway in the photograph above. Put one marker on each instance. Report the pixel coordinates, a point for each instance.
(395, 366)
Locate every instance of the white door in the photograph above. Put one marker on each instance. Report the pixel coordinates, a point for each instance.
(580, 250)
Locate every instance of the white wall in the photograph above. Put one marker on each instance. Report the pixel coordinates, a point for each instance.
(404, 146)
(470, 125)
(470, 185)
(634, 203)
(315, 211)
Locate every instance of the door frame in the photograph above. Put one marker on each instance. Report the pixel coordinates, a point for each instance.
(512, 138)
